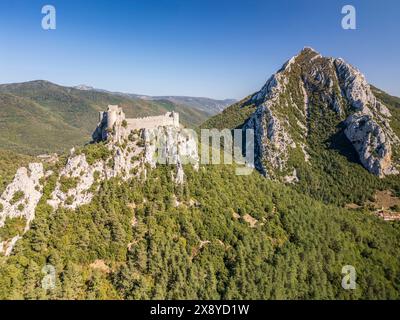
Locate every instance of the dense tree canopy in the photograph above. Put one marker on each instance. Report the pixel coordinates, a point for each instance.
(156, 240)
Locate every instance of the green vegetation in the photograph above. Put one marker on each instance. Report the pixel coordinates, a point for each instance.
(12, 227)
(295, 251)
(232, 117)
(189, 116)
(395, 208)
(18, 196)
(95, 152)
(69, 200)
(41, 117)
(9, 164)
(96, 175)
(334, 174)
(68, 183)
(393, 103)
(218, 236)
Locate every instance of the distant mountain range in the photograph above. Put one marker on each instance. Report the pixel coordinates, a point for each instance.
(116, 224)
(40, 116)
(208, 105)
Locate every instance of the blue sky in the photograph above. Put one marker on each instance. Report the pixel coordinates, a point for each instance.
(213, 48)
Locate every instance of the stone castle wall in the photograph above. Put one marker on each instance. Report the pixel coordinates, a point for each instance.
(169, 119)
(112, 121)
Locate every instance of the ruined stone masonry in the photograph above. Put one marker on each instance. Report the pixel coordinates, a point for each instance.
(132, 143)
(114, 122)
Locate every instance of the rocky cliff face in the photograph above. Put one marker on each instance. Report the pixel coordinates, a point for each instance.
(308, 91)
(20, 199)
(128, 155)
(171, 145)
(124, 154)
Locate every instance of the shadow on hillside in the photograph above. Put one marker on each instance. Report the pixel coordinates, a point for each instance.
(340, 143)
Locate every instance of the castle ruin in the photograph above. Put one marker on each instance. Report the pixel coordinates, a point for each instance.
(114, 120)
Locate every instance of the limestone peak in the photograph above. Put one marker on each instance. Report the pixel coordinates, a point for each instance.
(310, 90)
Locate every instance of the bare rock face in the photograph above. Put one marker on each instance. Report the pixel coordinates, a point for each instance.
(6, 247)
(82, 176)
(282, 120)
(125, 153)
(371, 143)
(129, 155)
(172, 145)
(272, 139)
(165, 142)
(354, 85)
(368, 128)
(20, 200)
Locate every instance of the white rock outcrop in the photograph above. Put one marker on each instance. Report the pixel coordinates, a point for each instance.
(169, 145)
(20, 200)
(371, 143)
(368, 128)
(129, 151)
(280, 123)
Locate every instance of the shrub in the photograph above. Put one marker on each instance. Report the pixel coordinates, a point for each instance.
(68, 183)
(69, 201)
(135, 158)
(131, 137)
(12, 227)
(96, 175)
(18, 195)
(95, 152)
(395, 208)
(141, 143)
(111, 163)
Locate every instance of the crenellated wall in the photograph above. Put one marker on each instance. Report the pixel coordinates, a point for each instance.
(169, 119)
(112, 121)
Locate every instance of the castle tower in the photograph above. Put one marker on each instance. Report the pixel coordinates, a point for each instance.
(113, 122)
(101, 115)
(113, 112)
(175, 116)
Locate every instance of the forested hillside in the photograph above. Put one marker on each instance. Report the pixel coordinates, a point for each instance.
(334, 174)
(218, 236)
(112, 223)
